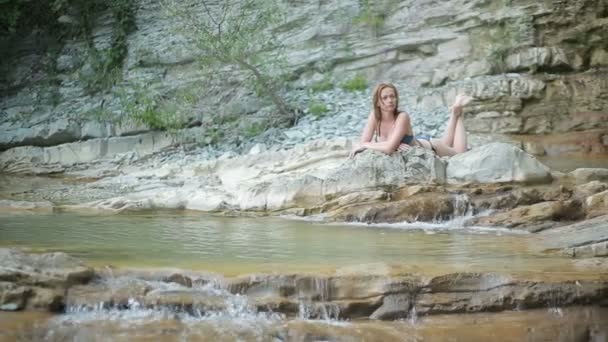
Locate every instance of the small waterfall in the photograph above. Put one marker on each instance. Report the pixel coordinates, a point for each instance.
(307, 309)
(463, 210)
(320, 290)
(127, 298)
(413, 316)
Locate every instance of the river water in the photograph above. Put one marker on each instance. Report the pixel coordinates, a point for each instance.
(230, 246)
(236, 245)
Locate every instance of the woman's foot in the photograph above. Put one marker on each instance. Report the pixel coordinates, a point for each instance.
(460, 101)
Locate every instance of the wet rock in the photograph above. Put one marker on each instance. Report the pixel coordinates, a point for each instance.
(284, 306)
(12, 297)
(394, 306)
(8, 205)
(354, 198)
(48, 270)
(120, 293)
(587, 238)
(266, 286)
(39, 281)
(179, 279)
(503, 198)
(534, 217)
(519, 295)
(51, 300)
(189, 300)
(363, 286)
(424, 207)
(460, 282)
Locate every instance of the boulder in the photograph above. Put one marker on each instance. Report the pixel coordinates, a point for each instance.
(587, 238)
(496, 163)
(597, 205)
(60, 270)
(373, 170)
(587, 189)
(584, 175)
(533, 217)
(38, 281)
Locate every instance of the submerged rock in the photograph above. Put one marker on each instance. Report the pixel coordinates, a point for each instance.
(583, 239)
(9, 205)
(38, 281)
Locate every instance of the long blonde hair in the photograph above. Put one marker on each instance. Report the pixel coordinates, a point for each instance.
(376, 100)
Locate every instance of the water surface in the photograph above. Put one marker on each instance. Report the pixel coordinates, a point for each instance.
(235, 245)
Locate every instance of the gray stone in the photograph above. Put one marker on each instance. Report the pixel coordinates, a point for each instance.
(394, 306)
(26, 159)
(583, 239)
(585, 175)
(599, 58)
(496, 163)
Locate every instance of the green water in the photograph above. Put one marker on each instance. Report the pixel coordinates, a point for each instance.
(240, 245)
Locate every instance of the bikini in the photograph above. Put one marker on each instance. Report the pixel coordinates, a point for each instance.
(409, 139)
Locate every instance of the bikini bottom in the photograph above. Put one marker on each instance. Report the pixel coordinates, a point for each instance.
(427, 138)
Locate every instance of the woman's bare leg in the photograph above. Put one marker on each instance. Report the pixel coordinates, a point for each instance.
(448, 134)
(440, 147)
(455, 134)
(460, 137)
(454, 138)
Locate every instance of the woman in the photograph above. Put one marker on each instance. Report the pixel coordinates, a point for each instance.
(391, 129)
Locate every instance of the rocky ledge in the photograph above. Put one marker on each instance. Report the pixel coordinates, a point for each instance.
(494, 185)
(58, 283)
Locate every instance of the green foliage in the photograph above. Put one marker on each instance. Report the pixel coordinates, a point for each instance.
(105, 64)
(212, 135)
(499, 42)
(236, 41)
(101, 114)
(321, 86)
(143, 106)
(10, 12)
(373, 14)
(253, 129)
(317, 109)
(357, 83)
(370, 19)
(153, 110)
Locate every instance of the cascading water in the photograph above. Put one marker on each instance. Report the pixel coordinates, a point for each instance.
(463, 210)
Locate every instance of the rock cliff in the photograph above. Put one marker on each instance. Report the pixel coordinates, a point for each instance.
(537, 68)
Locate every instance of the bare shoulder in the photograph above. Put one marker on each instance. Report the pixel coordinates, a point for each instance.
(403, 116)
(371, 117)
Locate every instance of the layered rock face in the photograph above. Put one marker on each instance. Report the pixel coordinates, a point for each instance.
(537, 69)
(66, 285)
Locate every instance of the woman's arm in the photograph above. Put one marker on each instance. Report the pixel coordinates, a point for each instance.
(370, 126)
(366, 136)
(394, 140)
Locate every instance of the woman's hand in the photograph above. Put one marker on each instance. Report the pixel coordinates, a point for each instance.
(357, 149)
(403, 147)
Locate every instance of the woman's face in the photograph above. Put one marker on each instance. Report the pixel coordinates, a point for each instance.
(387, 99)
